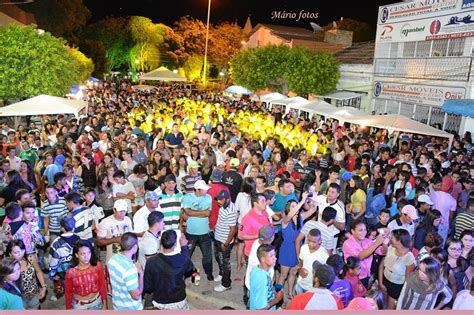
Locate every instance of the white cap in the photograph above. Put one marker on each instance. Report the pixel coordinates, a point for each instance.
(95, 145)
(88, 128)
(121, 205)
(200, 184)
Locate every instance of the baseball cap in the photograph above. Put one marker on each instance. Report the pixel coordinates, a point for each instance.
(410, 211)
(266, 232)
(425, 199)
(200, 184)
(170, 178)
(121, 205)
(359, 303)
(216, 176)
(325, 274)
(134, 136)
(302, 152)
(193, 164)
(223, 194)
(347, 176)
(105, 129)
(151, 195)
(234, 162)
(95, 145)
(233, 140)
(88, 128)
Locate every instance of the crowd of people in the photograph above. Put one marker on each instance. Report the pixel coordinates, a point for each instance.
(107, 210)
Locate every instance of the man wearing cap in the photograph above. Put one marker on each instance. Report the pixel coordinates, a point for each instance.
(97, 155)
(170, 203)
(196, 210)
(191, 178)
(233, 179)
(113, 227)
(320, 298)
(140, 223)
(216, 187)
(424, 205)
(224, 233)
(408, 214)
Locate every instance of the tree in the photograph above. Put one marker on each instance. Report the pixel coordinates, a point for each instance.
(62, 18)
(95, 50)
(283, 69)
(226, 41)
(148, 37)
(362, 32)
(193, 67)
(34, 62)
(115, 37)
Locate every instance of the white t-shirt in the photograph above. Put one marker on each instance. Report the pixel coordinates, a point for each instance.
(253, 262)
(109, 228)
(243, 205)
(140, 220)
(395, 266)
(464, 301)
(308, 258)
(148, 246)
(322, 203)
(124, 189)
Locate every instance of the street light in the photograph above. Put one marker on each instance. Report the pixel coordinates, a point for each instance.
(207, 40)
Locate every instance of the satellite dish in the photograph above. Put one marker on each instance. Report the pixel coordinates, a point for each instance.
(316, 27)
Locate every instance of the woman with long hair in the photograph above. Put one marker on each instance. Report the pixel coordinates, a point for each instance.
(291, 226)
(467, 240)
(28, 175)
(104, 194)
(243, 205)
(396, 266)
(422, 288)
(31, 277)
(180, 169)
(10, 293)
(429, 224)
(208, 163)
(85, 286)
(357, 206)
(15, 182)
(202, 135)
(87, 171)
(454, 248)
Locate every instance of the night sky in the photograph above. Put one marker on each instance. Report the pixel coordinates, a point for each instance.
(260, 11)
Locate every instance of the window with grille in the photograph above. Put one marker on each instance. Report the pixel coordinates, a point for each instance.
(439, 48)
(423, 49)
(409, 49)
(393, 50)
(456, 46)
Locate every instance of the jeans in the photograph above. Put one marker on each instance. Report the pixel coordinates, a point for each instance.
(223, 260)
(299, 289)
(205, 245)
(94, 305)
(443, 230)
(31, 303)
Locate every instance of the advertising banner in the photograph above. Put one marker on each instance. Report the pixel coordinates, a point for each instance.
(417, 93)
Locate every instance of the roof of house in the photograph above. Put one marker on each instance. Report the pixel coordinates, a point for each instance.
(17, 14)
(288, 32)
(358, 53)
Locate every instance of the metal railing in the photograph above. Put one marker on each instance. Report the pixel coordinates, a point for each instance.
(442, 68)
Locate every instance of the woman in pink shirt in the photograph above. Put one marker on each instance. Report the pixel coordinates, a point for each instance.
(358, 245)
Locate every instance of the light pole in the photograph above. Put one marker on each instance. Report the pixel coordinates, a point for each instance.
(207, 40)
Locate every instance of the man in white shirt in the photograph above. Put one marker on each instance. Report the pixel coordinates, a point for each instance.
(113, 227)
(220, 152)
(149, 245)
(140, 218)
(331, 199)
(122, 189)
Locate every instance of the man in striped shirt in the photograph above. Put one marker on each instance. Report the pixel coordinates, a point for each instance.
(126, 275)
(465, 220)
(170, 203)
(54, 208)
(225, 230)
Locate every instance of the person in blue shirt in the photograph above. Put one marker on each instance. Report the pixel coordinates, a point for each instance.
(262, 292)
(10, 293)
(197, 209)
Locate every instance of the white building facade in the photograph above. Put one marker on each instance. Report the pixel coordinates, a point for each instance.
(423, 56)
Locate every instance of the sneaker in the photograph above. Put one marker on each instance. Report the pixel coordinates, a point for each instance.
(218, 278)
(196, 278)
(221, 288)
(53, 298)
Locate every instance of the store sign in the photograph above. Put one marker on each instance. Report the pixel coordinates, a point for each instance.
(417, 94)
(412, 11)
(467, 4)
(442, 27)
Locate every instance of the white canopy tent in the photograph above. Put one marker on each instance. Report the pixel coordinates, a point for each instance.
(285, 103)
(272, 97)
(44, 105)
(327, 110)
(401, 123)
(162, 74)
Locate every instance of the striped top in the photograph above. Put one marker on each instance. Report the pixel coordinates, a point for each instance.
(464, 221)
(54, 211)
(84, 220)
(123, 278)
(328, 233)
(226, 219)
(188, 183)
(170, 206)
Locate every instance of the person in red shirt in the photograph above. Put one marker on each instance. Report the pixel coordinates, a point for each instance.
(290, 168)
(216, 186)
(321, 298)
(85, 286)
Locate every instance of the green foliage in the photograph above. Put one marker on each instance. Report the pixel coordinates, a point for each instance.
(285, 69)
(62, 18)
(193, 67)
(362, 32)
(95, 50)
(34, 62)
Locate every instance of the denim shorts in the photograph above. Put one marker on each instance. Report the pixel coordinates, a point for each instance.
(93, 305)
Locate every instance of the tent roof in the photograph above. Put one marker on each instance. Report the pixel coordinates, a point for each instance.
(325, 109)
(43, 105)
(272, 97)
(292, 100)
(342, 95)
(459, 107)
(162, 74)
(400, 123)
